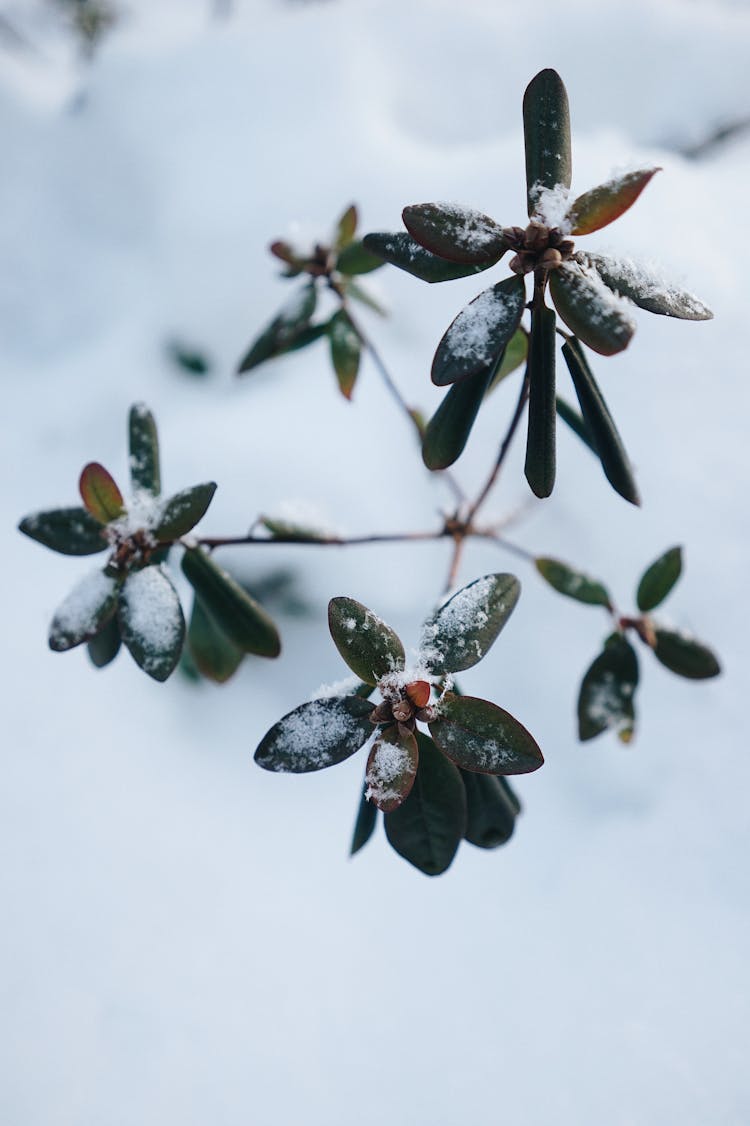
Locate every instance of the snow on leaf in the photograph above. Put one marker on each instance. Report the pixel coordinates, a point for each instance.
(83, 613)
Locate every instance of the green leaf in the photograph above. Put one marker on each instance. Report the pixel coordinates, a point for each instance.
(100, 494)
(71, 531)
(456, 233)
(491, 815)
(546, 130)
(685, 656)
(574, 583)
(590, 309)
(478, 735)
(345, 351)
(541, 458)
(151, 621)
(403, 251)
(391, 768)
(359, 293)
(144, 450)
(600, 424)
(183, 511)
(427, 828)
(448, 430)
(646, 289)
(658, 579)
(357, 259)
(104, 647)
(284, 330)
(515, 354)
(574, 420)
(214, 654)
(480, 332)
(86, 610)
(607, 692)
(461, 631)
(315, 735)
(364, 826)
(237, 614)
(600, 206)
(346, 227)
(370, 648)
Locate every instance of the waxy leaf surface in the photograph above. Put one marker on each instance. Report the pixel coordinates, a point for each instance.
(647, 289)
(462, 630)
(491, 815)
(401, 250)
(183, 511)
(100, 493)
(238, 615)
(145, 472)
(71, 531)
(478, 735)
(151, 621)
(370, 648)
(459, 234)
(315, 735)
(479, 334)
(658, 579)
(546, 131)
(448, 430)
(541, 457)
(600, 206)
(590, 310)
(607, 692)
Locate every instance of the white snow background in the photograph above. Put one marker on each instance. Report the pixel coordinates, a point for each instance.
(184, 938)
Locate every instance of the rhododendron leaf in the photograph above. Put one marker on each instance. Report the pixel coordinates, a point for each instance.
(478, 735)
(315, 735)
(462, 630)
(448, 430)
(574, 420)
(575, 584)
(234, 611)
(345, 351)
(480, 332)
(685, 656)
(100, 493)
(364, 826)
(600, 424)
(86, 610)
(359, 293)
(607, 692)
(658, 579)
(71, 531)
(151, 621)
(183, 511)
(284, 331)
(541, 457)
(459, 234)
(546, 130)
(281, 529)
(370, 648)
(491, 814)
(591, 310)
(145, 472)
(104, 647)
(647, 289)
(346, 227)
(391, 768)
(600, 206)
(213, 653)
(357, 259)
(427, 828)
(401, 250)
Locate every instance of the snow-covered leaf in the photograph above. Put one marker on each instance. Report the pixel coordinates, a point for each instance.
(462, 630)
(144, 450)
(575, 584)
(401, 250)
(658, 579)
(238, 615)
(151, 621)
(370, 648)
(606, 698)
(541, 457)
(459, 234)
(183, 511)
(600, 206)
(317, 734)
(546, 130)
(90, 604)
(478, 735)
(479, 334)
(595, 314)
(646, 288)
(391, 769)
(685, 656)
(71, 531)
(100, 493)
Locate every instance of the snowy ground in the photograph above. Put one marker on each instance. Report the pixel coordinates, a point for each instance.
(185, 940)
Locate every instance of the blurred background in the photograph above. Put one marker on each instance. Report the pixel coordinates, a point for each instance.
(184, 937)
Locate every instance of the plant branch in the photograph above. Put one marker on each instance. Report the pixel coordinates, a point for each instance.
(503, 453)
(324, 541)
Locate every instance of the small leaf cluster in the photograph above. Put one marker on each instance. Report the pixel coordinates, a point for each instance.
(592, 294)
(607, 695)
(434, 789)
(132, 599)
(333, 266)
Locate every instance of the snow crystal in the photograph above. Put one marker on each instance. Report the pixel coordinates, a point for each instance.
(606, 303)
(344, 687)
(551, 206)
(143, 513)
(78, 615)
(152, 613)
(393, 684)
(466, 746)
(460, 614)
(384, 770)
(475, 231)
(650, 283)
(313, 731)
(472, 334)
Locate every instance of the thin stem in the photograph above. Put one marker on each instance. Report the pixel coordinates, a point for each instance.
(503, 453)
(323, 541)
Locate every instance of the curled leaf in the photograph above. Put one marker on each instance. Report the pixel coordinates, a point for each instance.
(105, 645)
(491, 812)
(646, 288)
(448, 430)
(364, 826)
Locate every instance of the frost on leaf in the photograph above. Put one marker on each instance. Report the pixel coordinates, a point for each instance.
(84, 612)
(391, 770)
(479, 333)
(647, 288)
(462, 630)
(317, 734)
(551, 206)
(151, 621)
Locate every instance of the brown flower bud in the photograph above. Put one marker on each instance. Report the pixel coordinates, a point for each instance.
(551, 259)
(418, 692)
(536, 237)
(426, 715)
(402, 711)
(383, 713)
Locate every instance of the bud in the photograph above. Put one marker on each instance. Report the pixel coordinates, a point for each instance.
(402, 711)
(551, 259)
(418, 692)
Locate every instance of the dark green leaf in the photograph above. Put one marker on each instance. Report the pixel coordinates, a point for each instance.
(151, 621)
(480, 332)
(357, 259)
(214, 654)
(183, 511)
(574, 420)
(391, 769)
(403, 251)
(646, 289)
(658, 579)
(345, 351)
(370, 648)
(100, 494)
(600, 206)
(515, 354)
(86, 610)
(546, 130)
(685, 656)
(456, 233)
(315, 735)
(346, 227)
(477, 735)
(607, 692)
(448, 430)
(461, 631)
(144, 450)
(106, 645)
(237, 614)
(600, 424)
(574, 583)
(541, 455)
(590, 310)
(491, 815)
(284, 330)
(71, 531)
(364, 826)
(427, 828)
